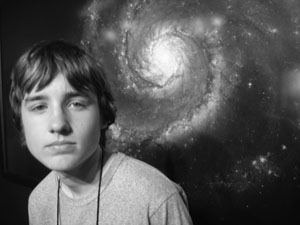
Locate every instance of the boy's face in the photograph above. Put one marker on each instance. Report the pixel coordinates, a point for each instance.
(62, 127)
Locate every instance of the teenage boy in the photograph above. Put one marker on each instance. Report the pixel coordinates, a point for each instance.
(62, 104)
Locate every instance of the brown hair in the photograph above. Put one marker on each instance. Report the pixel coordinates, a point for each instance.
(40, 64)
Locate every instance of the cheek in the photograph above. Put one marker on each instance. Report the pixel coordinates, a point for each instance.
(89, 127)
(31, 131)
(31, 137)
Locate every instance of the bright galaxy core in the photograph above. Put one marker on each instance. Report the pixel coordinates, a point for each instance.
(169, 64)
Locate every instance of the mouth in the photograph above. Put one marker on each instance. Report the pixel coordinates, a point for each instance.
(60, 143)
(61, 146)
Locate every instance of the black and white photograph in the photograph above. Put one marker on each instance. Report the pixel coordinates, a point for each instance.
(161, 112)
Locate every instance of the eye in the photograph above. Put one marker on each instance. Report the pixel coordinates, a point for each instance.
(77, 105)
(38, 108)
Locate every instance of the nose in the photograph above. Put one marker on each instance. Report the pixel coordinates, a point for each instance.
(59, 122)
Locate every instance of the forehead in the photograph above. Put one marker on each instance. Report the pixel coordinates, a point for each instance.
(57, 87)
(58, 83)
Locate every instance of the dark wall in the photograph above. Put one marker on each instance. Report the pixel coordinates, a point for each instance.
(22, 24)
(13, 202)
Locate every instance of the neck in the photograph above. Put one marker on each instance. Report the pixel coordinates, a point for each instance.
(82, 180)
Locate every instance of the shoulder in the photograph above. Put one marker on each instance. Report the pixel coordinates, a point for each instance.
(145, 179)
(43, 191)
(42, 201)
(162, 197)
(146, 173)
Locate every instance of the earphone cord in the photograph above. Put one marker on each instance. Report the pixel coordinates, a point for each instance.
(99, 187)
(58, 200)
(98, 195)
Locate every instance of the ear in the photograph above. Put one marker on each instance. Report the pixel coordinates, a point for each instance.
(103, 124)
(22, 137)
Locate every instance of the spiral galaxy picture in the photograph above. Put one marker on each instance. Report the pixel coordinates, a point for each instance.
(207, 91)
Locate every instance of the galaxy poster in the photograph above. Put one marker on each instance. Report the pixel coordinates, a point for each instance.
(207, 91)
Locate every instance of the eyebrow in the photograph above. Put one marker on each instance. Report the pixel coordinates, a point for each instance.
(35, 98)
(75, 94)
(68, 95)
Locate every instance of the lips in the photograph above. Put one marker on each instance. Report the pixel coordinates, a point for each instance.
(60, 143)
(61, 146)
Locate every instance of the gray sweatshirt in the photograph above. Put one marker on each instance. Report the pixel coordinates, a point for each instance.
(132, 192)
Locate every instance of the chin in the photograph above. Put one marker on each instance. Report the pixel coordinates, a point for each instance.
(60, 165)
